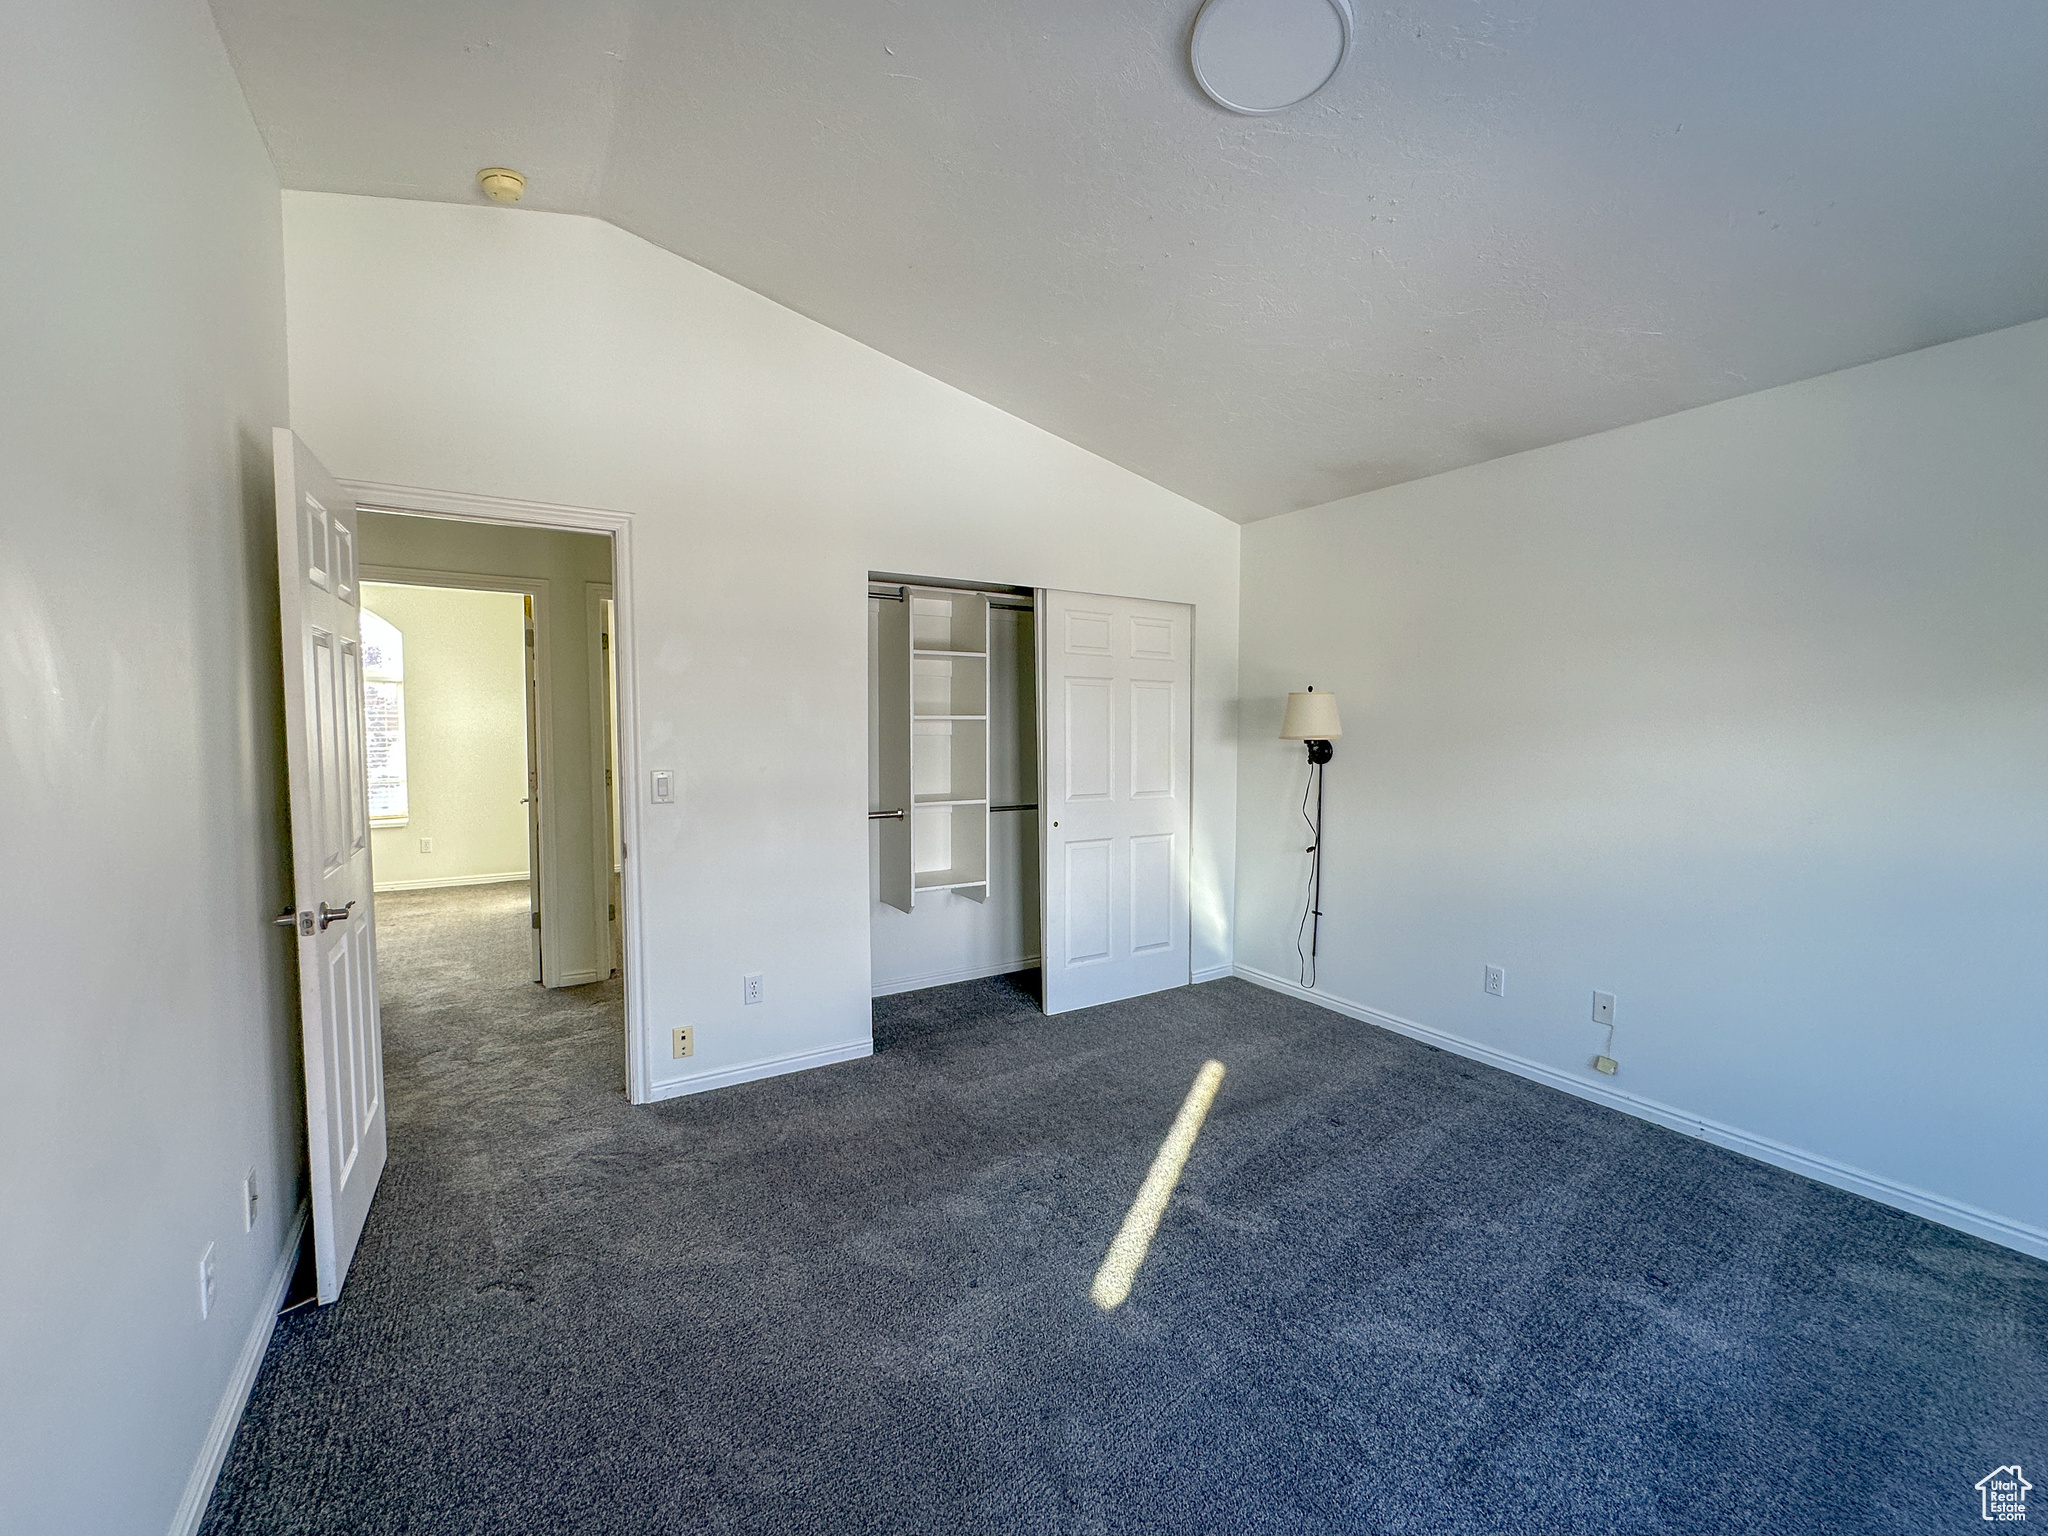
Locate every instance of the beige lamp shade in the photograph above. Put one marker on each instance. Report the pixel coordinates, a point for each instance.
(1311, 716)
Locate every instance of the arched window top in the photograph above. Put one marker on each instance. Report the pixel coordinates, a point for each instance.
(383, 650)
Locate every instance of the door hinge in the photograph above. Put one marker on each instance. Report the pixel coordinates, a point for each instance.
(536, 919)
(529, 637)
(604, 640)
(614, 911)
(607, 778)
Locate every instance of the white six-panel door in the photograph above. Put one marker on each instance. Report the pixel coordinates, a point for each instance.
(1116, 688)
(320, 606)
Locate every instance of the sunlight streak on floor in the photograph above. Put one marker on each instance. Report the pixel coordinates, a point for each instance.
(1134, 1238)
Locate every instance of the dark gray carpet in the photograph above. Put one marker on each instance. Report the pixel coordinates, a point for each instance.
(1396, 1291)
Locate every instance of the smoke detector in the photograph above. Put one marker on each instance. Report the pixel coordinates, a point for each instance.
(501, 185)
(1263, 56)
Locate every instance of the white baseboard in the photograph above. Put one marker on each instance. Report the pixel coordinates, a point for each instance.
(1212, 973)
(439, 881)
(1949, 1213)
(220, 1434)
(753, 1071)
(579, 978)
(947, 978)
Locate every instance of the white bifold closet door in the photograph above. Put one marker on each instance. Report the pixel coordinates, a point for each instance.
(1116, 689)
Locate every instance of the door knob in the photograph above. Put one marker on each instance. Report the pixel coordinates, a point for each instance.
(332, 915)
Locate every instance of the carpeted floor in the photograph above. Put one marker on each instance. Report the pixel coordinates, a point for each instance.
(1396, 1291)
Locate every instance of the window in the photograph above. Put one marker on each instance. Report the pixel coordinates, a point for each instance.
(384, 705)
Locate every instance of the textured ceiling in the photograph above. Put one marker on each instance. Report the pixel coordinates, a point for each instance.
(1501, 226)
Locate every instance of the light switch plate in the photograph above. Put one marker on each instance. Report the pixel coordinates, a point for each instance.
(663, 786)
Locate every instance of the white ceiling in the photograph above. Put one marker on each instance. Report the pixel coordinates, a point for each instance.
(1503, 225)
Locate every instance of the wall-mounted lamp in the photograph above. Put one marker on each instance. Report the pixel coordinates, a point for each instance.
(1312, 718)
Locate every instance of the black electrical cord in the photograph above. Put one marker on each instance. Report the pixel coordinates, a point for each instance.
(1312, 907)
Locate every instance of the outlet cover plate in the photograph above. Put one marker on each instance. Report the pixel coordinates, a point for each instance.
(685, 1042)
(1496, 981)
(1603, 1007)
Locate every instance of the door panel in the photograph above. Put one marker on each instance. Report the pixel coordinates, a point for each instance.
(1152, 892)
(1088, 904)
(1152, 739)
(1087, 633)
(1091, 737)
(1116, 684)
(335, 924)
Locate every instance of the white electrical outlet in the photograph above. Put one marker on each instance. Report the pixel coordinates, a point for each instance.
(206, 1283)
(249, 1201)
(751, 990)
(426, 845)
(1496, 981)
(1603, 1007)
(685, 1042)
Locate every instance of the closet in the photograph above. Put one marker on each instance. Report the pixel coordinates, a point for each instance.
(953, 780)
(977, 848)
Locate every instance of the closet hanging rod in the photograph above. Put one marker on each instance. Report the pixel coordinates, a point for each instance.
(899, 580)
(895, 595)
(897, 815)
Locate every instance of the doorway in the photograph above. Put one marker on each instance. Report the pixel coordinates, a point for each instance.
(452, 738)
(503, 818)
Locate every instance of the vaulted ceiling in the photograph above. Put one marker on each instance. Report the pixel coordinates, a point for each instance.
(1503, 225)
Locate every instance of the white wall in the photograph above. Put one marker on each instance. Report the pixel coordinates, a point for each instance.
(465, 735)
(148, 1031)
(1741, 715)
(564, 567)
(769, 464)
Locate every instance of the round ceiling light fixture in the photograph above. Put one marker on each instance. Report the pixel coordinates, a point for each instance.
(1263, 56)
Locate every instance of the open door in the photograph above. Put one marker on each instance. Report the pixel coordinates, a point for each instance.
(320, 606)
(537, 971)
(1115, 707)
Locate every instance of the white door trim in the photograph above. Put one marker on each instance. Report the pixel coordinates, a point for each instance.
(373, 496)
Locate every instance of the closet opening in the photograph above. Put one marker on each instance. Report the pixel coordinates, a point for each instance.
(953, 839)
(1030, 789)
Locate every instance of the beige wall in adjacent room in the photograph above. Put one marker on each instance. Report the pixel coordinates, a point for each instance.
(149, 1055)
(465, 735)
(1741, 716)
(574, 939)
